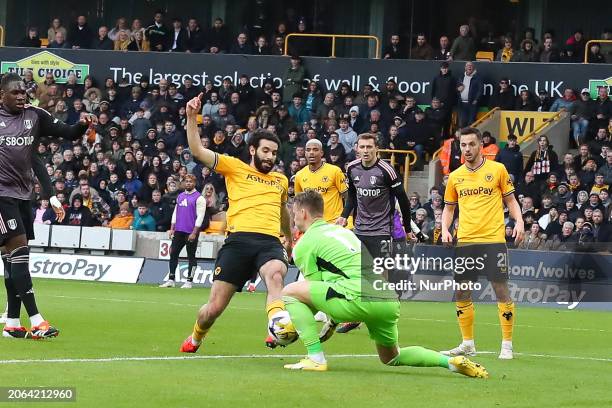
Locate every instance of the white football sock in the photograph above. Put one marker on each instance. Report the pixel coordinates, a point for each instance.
(13, 323)
(318, 357)
(36, 319)
(469, 343)
(507, 344)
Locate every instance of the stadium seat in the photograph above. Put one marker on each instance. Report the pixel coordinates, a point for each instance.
(42, 234)
(44, 42)
(95, 238)
(485, 56)
(65, 236)
(123, 240)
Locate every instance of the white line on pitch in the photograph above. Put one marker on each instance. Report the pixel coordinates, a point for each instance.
(255, 356)
(579, 329)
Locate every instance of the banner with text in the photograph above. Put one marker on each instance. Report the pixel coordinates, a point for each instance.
(84, 268)
(413, 77)
(520, 124)
(156, 272)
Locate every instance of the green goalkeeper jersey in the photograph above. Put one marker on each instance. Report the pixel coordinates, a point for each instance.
(330, 253)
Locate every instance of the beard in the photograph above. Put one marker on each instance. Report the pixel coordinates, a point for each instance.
(259, 164)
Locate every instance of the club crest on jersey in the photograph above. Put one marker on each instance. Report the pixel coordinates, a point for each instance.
(325, 179)
(489, 177)
(217, 270)
(27, 123)
(373, 180)
(12, 224)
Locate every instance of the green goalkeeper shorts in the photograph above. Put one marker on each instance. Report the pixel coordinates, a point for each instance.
(380, 316)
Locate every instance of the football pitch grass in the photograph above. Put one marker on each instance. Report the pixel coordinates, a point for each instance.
(118, 347)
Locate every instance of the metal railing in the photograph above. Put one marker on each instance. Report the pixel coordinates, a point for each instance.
(409, 160)
(587, 47)
(542, 125)
(1, 36)
(484, 117)
(333, 37)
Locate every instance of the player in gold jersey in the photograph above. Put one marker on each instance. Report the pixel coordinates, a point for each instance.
(256, 217)
(326, 179)
(481, 187)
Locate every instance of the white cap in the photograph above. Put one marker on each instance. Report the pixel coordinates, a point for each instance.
(585, 90)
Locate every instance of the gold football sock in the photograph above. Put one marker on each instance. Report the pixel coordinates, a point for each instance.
(274, 306)
(506, 319)
(465, 316)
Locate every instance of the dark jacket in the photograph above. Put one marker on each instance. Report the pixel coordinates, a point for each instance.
(102, 44)
(503, 100)
(158, 36)
(444, 87)
(182, 41)
(162, 213)
(82, 37)
(512, 159)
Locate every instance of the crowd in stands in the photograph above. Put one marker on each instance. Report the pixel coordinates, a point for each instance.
(190, 36)
(130, 176)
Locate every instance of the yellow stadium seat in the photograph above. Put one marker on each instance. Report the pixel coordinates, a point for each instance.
(44, 42)
(485, 56)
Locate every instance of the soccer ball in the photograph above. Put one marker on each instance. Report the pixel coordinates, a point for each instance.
(281, 328)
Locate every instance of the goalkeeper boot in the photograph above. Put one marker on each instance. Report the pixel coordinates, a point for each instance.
(44, 331)
(16, 332)
(306, 364)
(328, 330)
(464, 349)
(271, 342)
(467, 367)
(188, 346)
(347, 327)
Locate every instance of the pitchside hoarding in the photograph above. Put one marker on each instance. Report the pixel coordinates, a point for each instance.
(84, 268)
(414, 77)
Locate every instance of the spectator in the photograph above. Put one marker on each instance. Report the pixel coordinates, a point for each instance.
(195, 38)
(526, 102)
(124, 219)
(606, 169)
(31, 39)
(533, 238)
(490, 149)
(506, 53)
(143, 220)
(218, 37)
(278, 46)
(526, 53)
(178, 36)
(577, 44)
(595, 56)
(511, 157)
(394, 50)
(566, 102)
(470, 89)
(565, 240)
(582, 111)
(56, 26)
(160, 211)
(120, 24)
(139, 42)
(103, 42)
(443, 53)
(603, 107)
(549, 54)
(44, 214)
(261, 46)
(463, 48)
(77, 214)
(59, 41)
(544, 101)
(294, 77)
(503, 97)
(423, 50)
(123, 42)
(157, 33)
(543, 160)
(298, 111)
(80, 36)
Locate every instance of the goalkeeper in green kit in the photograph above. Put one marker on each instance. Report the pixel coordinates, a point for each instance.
(329, 257)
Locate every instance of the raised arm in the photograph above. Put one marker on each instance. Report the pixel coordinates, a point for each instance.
(50, 126)
(205, 156)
